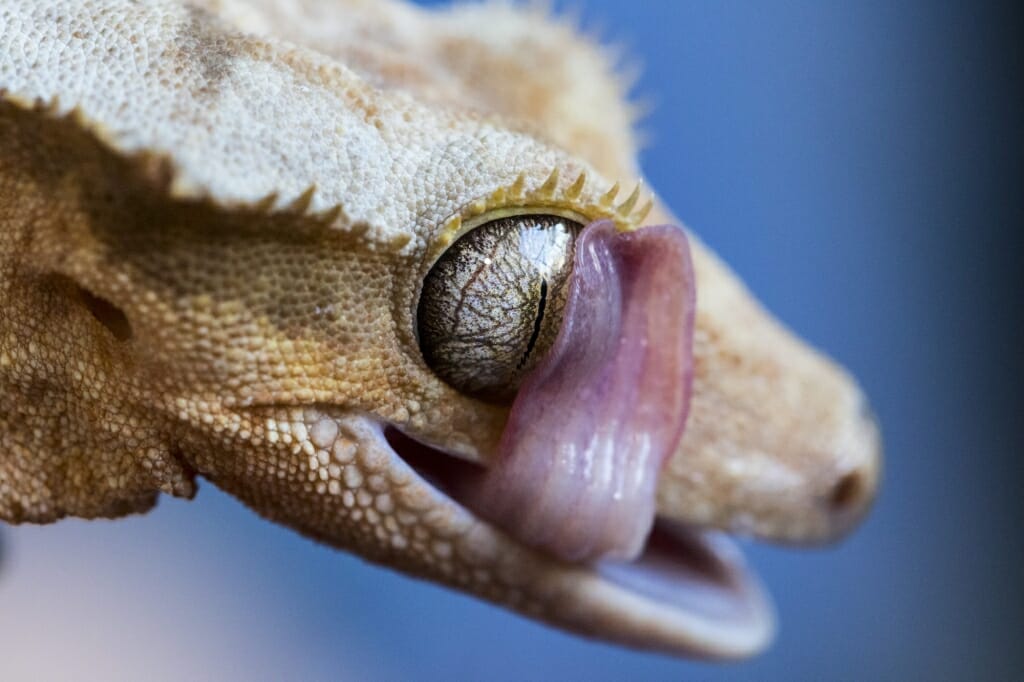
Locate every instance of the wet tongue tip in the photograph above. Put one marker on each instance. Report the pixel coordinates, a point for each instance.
(577, 467)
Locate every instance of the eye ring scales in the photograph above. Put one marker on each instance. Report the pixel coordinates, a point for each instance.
(492, 305)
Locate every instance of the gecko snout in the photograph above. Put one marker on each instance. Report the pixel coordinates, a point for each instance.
(838, 489)
(781, 443)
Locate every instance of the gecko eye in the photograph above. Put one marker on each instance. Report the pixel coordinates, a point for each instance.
(492, 305)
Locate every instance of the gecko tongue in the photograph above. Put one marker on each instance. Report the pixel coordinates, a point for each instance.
(591, 426)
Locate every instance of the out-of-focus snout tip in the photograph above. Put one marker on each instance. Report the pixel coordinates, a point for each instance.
(855, 485)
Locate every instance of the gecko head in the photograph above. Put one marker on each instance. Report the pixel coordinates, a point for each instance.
(448, 358)
(525, 395)
(534, 399)
(653, 409)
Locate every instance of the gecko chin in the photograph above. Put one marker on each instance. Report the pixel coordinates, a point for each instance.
(687, 591)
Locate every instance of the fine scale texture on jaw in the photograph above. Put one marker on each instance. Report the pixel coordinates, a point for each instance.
(688, 592)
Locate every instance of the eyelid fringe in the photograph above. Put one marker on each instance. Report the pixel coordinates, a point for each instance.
(551, 196)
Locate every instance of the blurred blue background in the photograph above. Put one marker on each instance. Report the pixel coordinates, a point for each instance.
(855, 163)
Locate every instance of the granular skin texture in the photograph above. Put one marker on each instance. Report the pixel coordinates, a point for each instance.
(215, 220)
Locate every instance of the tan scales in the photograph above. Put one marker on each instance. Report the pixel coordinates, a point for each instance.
(214, 221)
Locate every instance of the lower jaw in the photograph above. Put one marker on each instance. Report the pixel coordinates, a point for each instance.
(688, 578)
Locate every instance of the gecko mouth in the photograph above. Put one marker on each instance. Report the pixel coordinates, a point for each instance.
(574, 476)
(688, 590)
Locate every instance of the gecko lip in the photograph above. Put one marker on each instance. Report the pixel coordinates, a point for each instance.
(688, 591)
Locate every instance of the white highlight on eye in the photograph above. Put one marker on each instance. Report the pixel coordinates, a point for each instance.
(545, 248)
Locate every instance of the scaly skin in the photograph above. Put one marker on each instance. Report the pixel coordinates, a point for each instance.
(157, 160)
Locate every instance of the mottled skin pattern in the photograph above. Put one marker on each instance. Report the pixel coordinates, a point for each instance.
(157, 159)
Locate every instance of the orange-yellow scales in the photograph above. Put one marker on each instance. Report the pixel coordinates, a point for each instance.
(215, 219)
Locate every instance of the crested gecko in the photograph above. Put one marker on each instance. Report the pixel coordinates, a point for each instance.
(381, 272)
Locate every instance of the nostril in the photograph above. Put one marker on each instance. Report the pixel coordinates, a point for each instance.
(847, 492)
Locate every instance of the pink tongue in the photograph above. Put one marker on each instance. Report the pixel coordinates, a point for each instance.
(590, 428)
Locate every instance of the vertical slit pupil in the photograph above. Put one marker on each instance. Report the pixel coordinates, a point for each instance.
(536, 323)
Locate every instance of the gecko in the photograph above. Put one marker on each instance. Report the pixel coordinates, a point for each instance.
(393, 277)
